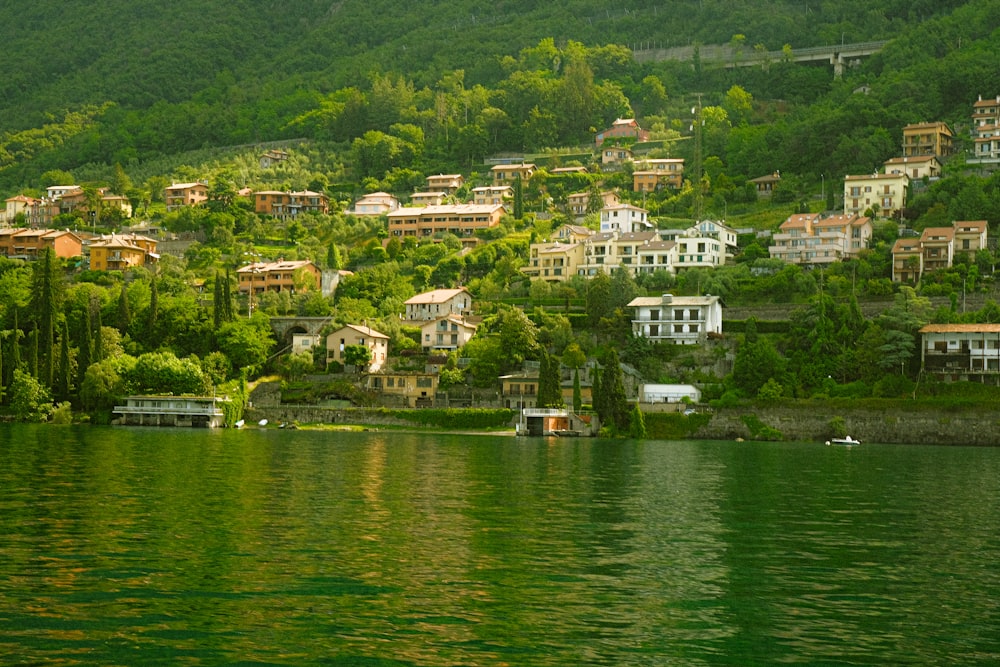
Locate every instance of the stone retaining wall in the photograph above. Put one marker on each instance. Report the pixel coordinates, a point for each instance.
(810, 423)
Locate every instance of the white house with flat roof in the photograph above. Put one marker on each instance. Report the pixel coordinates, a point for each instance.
(683, 320)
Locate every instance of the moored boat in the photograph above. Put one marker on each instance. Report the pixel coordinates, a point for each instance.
(848, 440)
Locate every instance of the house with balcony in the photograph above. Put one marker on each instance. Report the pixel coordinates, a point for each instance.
(928, 139)
(427, 198)
(285, 205)
(814, 240)
(506, 174)
(272, 158)
(603, 253)
(655, 174)
(491, 195)
(555, 261)
(938, 247)
(375, 203)
(657, 256)
(572, 233)
(916, 167)
(961, 352)
(279, 276)
(446, 183)
(695, 250)
(447, 333)
(986, 130)
(188, 411)
(358, 334)
(15, 206)
(888, 192)
(907, 260)
(622, 130)
(430, 306)
(719, 230)
(431, 222)
(179, 195)
(682, 320)
(613, 157)
(119, 252)
(579, 202)
(971, 236)
(765, 185)
(411, 389)
(624, 218)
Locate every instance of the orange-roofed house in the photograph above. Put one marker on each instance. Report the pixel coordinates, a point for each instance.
(280, 276)
(179, 195)
(438, 303)
(357, 334)
(121, 252)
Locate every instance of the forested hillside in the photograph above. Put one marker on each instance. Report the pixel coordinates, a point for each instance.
(123, 82)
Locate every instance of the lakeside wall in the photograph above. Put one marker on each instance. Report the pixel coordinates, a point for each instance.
(797, 423)
(813, 423)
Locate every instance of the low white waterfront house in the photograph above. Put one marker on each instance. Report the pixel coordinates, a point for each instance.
(199, 411)
(668, 393)
(684, 320)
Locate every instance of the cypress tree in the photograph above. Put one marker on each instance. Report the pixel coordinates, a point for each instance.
(154, 305)
(86, 345)
(577, 394)
(44, 298)
(518, 198)
(227, 298)
(63, 385)
(33, 356)
(637, 423)
(15, 356)
(598, 397)
(2, 383)
(218, 309)
(614, 390)
(124, 315)
(98, 336)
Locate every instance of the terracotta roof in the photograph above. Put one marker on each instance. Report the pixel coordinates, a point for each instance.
(434, 296)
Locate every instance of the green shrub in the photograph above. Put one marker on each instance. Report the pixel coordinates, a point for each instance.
(759, 430)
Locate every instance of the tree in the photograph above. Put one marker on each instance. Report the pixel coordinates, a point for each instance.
(577, 394)
(637, 423)
(757, 361)
(518, 336)
(246, 342)
(612, 385)
(86, 347)
(30, 401)
(518, 211)
(549, 389)
(124, 312)
(46, 302)
(358, 356)
(164, 373)
(63, 385)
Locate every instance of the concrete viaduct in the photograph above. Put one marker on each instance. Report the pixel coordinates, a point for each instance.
(837, 55)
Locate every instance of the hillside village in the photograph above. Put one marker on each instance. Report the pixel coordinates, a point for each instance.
(600, 230)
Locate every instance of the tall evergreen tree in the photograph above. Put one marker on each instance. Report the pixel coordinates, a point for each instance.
(98, 334)
(518, 197)
(46, 293)
(218, 309)
(153, 314)
(64, 381)
(549, 392)
(15, 346)
(612, 386)
(227, 297)
(33, 355)
(577, 393)
(86, 345)
(598, 395)
(637, 423)
(2, 383)
(124, 313)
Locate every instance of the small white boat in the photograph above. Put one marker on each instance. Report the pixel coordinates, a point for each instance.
(843, 441)
(239, 424)
(262, 422)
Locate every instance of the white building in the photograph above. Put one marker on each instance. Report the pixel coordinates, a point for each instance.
(961, 352)
(438, 303)
(624, 218)
(683, 320)
(668, 393)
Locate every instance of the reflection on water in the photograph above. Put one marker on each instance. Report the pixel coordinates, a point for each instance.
(136, 546)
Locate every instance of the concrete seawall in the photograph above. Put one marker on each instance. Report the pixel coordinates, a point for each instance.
(814, 423)
(796, 423)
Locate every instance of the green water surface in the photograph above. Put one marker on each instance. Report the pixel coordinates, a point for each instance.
(159, 546)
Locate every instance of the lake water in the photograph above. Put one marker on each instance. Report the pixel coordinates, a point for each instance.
(144, 547)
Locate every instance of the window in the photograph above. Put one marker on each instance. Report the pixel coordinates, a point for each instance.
(678, 328)
(654, 314)
(678, 314)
